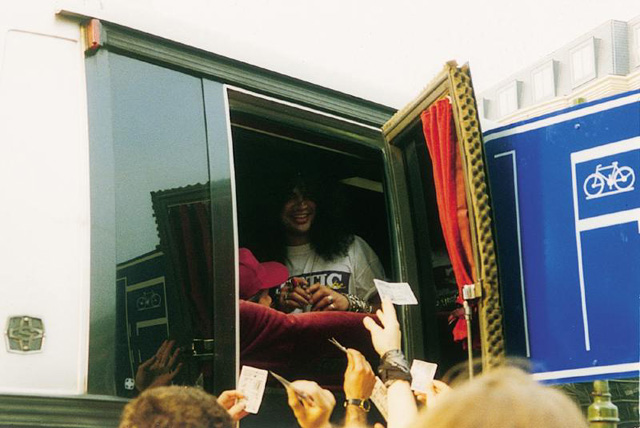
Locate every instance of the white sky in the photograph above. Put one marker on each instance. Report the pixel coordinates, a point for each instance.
(384, 51)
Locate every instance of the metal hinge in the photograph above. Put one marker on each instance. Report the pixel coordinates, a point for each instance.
(472, 291)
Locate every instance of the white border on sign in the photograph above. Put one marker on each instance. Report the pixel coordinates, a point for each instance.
(589, 371)
(600, 221)
(562, 117)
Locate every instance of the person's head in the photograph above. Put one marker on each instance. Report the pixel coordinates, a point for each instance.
(257, 278)
(301, 208)
(312, 211)
(298, 211)
(502, 398)
(172, 406)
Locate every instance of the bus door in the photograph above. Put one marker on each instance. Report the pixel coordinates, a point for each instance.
(436, 161)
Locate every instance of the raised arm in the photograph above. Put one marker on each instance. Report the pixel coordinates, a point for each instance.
(359, 380)
(394, 369)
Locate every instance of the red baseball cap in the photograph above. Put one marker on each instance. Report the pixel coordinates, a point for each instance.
(256, 276)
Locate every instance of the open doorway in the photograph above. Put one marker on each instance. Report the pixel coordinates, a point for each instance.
(273, 142)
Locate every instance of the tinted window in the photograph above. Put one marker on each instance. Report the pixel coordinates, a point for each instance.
(161, 221)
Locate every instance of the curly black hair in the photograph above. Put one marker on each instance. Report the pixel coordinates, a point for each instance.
(330, 235)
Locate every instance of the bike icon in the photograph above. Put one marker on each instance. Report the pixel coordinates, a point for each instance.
(148, 300)
(617, 179)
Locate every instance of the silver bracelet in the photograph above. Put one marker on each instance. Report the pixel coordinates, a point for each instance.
(356, 304)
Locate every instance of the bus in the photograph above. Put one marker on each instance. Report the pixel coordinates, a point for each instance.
(135, 166)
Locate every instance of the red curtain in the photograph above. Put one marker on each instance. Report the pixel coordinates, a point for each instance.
(191, 228)
(440, 135)
(195, 243)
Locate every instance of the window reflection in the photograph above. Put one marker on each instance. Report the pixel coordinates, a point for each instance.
(163, 223)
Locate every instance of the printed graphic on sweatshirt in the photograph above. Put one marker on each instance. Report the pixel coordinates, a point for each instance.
(336, 280)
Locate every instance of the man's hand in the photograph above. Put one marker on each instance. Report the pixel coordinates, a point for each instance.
(358, 383)
(233, 401)
(387, 337)
(294, 295)
(160, 369)
(359, 378)
(324, 298)
(315, 410)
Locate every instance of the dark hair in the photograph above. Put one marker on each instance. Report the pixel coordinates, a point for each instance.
(330, 232)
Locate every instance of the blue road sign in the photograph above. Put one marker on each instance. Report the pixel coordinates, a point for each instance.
(566, 202)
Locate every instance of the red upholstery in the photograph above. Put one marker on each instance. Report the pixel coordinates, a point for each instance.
(296, 346)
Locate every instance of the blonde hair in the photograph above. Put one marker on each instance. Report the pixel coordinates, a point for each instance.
(175, 406)
(502, 398)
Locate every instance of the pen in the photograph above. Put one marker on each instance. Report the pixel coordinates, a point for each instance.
(338, 345)
(301, 395)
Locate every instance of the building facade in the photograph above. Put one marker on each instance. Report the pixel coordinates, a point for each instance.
(602, 62)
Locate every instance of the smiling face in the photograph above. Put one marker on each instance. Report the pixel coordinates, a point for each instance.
(297, 217)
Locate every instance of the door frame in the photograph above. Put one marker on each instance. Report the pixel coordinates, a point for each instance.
(454, 83)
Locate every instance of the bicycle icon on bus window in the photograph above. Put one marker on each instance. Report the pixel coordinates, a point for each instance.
(617, 180)
(148, 300)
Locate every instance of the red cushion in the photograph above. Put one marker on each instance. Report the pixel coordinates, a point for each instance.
(296, 346)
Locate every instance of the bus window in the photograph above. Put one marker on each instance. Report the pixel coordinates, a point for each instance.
(152, 224)
(274, 155)
(267, 168)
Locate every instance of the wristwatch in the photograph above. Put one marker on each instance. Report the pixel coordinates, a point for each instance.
(362, 404)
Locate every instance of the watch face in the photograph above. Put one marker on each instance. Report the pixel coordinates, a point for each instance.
(363, 404)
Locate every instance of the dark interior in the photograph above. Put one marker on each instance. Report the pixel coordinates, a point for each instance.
(263, 157)
(264, 153)
(265, 150)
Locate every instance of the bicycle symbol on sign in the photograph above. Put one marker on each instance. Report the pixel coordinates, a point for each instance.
(618, 180)
(148, 300)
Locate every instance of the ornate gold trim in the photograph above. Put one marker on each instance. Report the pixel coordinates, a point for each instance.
(409, 114)
(470, 139)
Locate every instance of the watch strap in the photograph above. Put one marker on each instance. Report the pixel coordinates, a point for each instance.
(362, 404)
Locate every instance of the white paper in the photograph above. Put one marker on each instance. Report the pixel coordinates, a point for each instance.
(252, 383)
(379, 397)
(422, 374)
(399, 293)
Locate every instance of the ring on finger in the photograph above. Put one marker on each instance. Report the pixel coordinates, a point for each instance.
(330, 299)
(332, 307)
